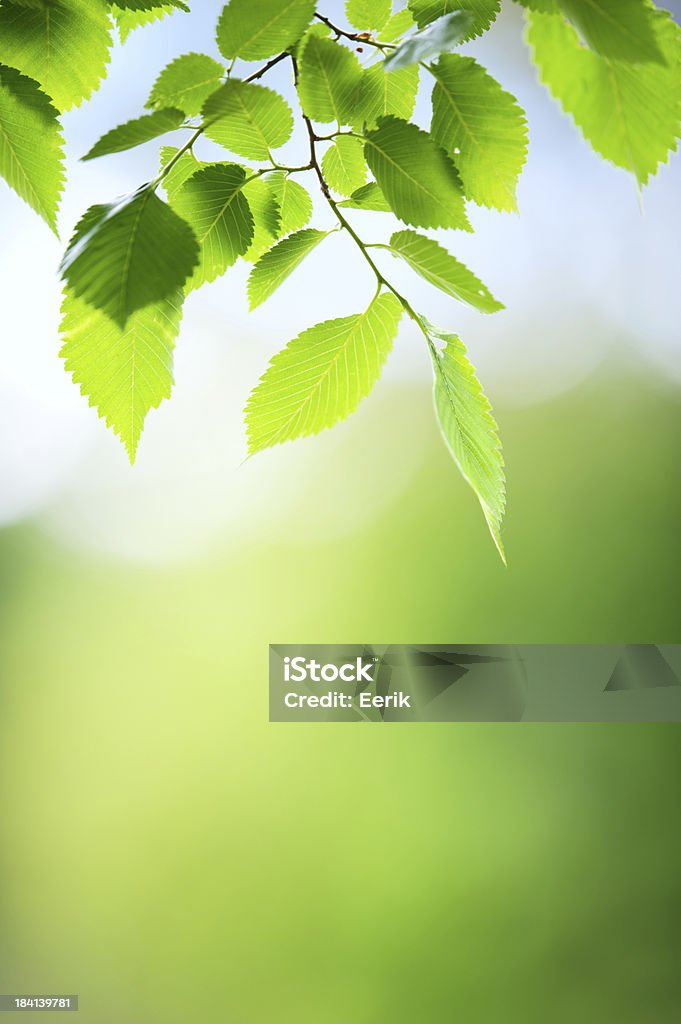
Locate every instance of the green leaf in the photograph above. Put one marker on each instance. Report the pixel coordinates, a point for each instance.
(36, 173)
(438, 37)
(432, 262)
(258, 193)
(482, 128)
(279, 263)
(484, 12)
(294, 202)
(543, 6)
(368, 197)
(125, 372)
(630, 113)
(468, 428)
(329, 80)
(127, 21)
(135, 133)
(322, 375)
(180, 171)
(211, 201)
(251, 30)
(64, 46)
(396, 26)
(248, 119)
(620, 29)
(383, 94)
(266, 217)
(127, 255)
(146, 5)
(186, 83)
(367, 14)
(417, 177)
(343, 165)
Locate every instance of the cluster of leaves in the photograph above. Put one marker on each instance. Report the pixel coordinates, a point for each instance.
(612, 64)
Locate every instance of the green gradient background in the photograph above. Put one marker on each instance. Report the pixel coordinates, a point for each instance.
(173, 857)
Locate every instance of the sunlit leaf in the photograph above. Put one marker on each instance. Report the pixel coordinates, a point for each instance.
(344, 166)
(484, 12)
(187, 82)
(124, 371)
(630, 113)
(468, 428)
(322, 375)
(279, 263)
(367, 14)
(126, 255)
(212, 202)
(35, 173)
(248, 119)
(482, 128)
(294, 202)
(63, 45)
(136, 133)
(429, 259)
(251, 29)
(417, 177)
(329, 81)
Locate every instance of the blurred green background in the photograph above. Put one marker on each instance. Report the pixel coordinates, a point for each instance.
(170, 855)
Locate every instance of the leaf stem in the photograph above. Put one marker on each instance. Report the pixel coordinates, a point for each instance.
(345, 224)
(354, 37)
(267, 67)
(174, 159)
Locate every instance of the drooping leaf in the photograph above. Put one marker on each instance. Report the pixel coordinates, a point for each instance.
(468, 428)
(439, 36)
(186, 83)
(124, 371)
(136, 133)
(182, 169)
(251, 30)
(126, 255)
(279, 263)
(248, 119)
(368, 197)
(417, 177)
(484, 12)
(36, 173)
(266, 217)
(396, 26)
(294, 202)
(429, 259)
(620, 29)
(630, 113)
(322, 375)
(384, 93)
(63, 45)
(329, 81)
(481, 127)
(127, 20)
(212, 202)
(344, 166)
(366, 14)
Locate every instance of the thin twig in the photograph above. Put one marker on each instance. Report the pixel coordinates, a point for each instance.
(354, 37)
(344, 223)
